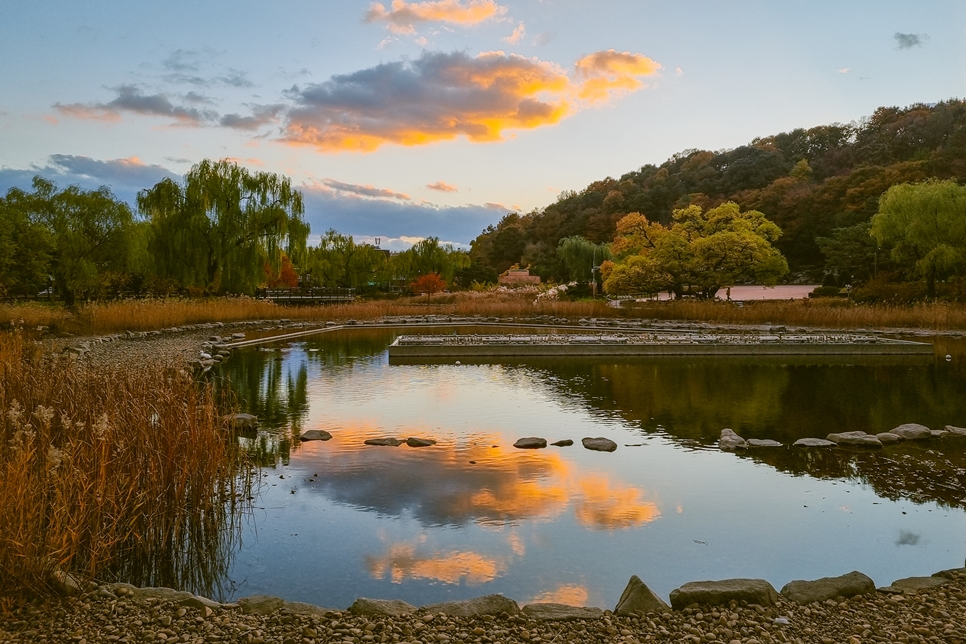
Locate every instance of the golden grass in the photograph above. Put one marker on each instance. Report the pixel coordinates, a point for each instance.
(110, 474)
(143, 315)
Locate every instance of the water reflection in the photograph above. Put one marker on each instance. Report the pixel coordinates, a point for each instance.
(404, 561)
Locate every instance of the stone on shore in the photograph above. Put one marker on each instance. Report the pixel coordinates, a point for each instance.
(887, 438)
(912, 585)
(912, 432)
(637, 597)
(549, 612)
(315, 435)
(955, 431)
(599, 444)
(730, 441)
(531, 442)
(844, 586)
(180, 597)
(309, 610)
(390, 607)
(762, 442)
(64, 583)
(412, 441)
(563, 443)
(717, 593)
(260, 604)
(384, 442)
(855, 439)
(486, 605)
(813, 442)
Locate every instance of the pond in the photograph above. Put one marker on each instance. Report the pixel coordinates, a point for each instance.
(472, 515)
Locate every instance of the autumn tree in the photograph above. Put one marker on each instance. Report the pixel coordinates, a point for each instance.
(284, 277)
(218, 228)
(429, 283)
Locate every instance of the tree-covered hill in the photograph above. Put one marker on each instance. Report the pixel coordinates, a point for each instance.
(809, 182)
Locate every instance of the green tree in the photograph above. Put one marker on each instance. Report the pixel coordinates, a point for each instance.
(925, 225)
(218, 229)
(429, 256)
(582, 257)
(339, 261)
(25, 247)
(851, 254)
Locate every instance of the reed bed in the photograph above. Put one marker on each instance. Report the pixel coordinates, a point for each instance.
(111, 474)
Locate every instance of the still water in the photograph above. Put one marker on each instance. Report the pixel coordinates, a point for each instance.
(472, 515)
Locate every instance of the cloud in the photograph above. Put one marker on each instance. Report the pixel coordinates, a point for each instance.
(261, 115)
(908, 41)
(517, 35)
(403, 17)
(442, 186)
(544, 38)
(442, 96)
(844, 70)
(364, 191)
(131, 99)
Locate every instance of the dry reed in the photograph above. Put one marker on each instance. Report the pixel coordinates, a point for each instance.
(111, 474)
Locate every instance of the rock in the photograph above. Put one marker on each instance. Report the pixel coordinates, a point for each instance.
(64, 583)
(813, 442)
(759, 442)
(887, 438)
(531, 442)
(315, 435)
(938, 433)
(599, 444)
(638, 597)
(560, 612)
(564, 443)
(912, 585)
(260, 604)
(237, 336)
(855, 439)
(955, 431)
(486, 605)
(301, 608)
(849, 585)
(730, 441)
(384, 442)
(716, 593)
(412, 441)
(391, 607)
(952, 573)
(241, 421)
(912, 432)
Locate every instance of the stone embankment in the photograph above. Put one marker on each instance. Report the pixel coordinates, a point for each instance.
(840, 610)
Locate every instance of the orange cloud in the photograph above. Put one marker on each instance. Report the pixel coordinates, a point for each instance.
(570, 594)
(606, 73)
(402, 562)
(403, 17)
(442, 186)
(518, 33)
(88, 112)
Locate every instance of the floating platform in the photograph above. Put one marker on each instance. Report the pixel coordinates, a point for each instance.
(651, 344)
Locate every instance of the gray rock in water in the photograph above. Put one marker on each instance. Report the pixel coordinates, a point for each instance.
(849, 585)
(315, 435)
(599, 444)
(384, 442)
(563, 443)
(813, 442)
(260, 604)
(912, 432)
(955, 431)
(637, 597)
(531, 442)
(560, 612)
(716, 593)
(730, 441)
(412, 441)
(855, 439)
(887, 438)
(938, 433)
(241, 421)
(391, 607)
(912, 585)
(486, 605)
(759, 442)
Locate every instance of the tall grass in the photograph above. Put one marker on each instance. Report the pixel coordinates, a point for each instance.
(111, 474)
(143, 315)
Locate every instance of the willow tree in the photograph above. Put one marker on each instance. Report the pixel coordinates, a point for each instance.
(582, 257)
(219, 229)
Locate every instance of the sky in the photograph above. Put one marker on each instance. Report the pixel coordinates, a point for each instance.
(403, 120)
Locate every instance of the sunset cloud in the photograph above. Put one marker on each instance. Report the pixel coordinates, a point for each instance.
(130, 99)
(441, 186)
(517, 35)
(403, 16)
(606, 73)
(364, 191)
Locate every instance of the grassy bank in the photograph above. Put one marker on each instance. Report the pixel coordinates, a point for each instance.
(110, 474)
(143, 315)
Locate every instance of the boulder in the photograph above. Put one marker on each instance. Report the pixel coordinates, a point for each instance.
(938, 433)
(301, 608)
(762, 442)
(952, 573)
(955, 431)
(730, 441)
(849, 585)
(912, 585)
(531, 442)
(637, 597)
(560, 612)
(486, 605)
(563, 443)
(260, 604)
(412, 441)
(912, 432)
(390, 607)
(599, 444)
(64, 583)
(887, 438)
(240, 420)
(813, 442)
(716, 593)
(384, 442)
(855, 439)
(315, 435)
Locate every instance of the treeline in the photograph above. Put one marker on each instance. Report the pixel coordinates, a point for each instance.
(821, 186)
(222, 230)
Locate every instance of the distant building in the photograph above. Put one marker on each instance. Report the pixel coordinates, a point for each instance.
(516, 276)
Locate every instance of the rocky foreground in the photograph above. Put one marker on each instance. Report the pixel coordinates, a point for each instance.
(923, 611)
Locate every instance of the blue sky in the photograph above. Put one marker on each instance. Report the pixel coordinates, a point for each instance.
(409, 119)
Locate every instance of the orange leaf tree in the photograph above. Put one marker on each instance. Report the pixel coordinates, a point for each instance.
(429, 283)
